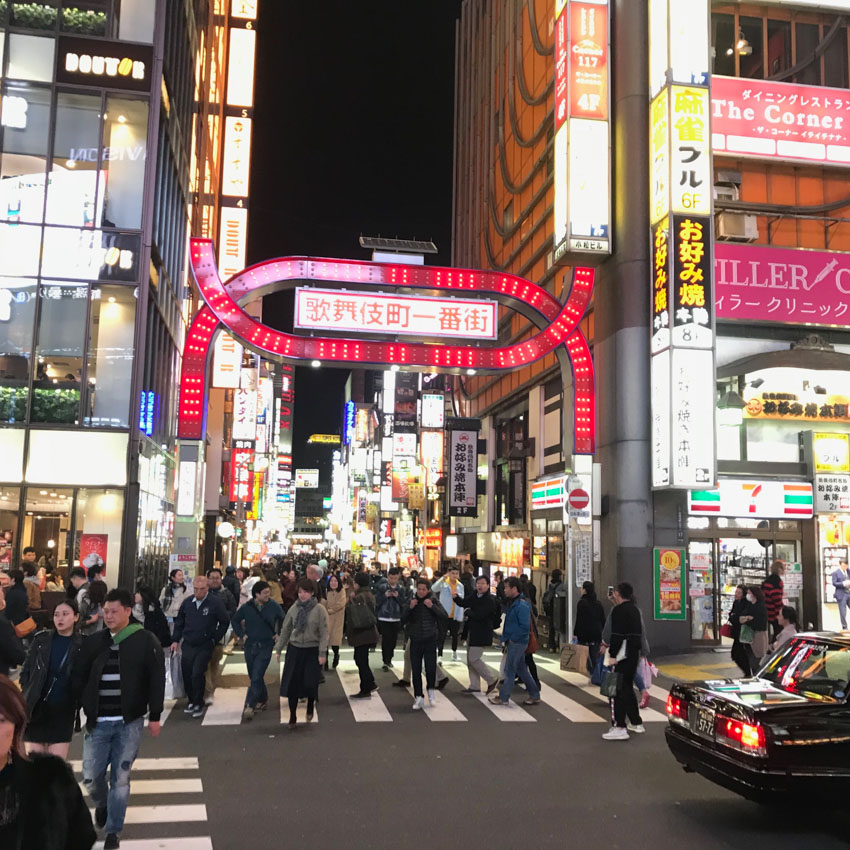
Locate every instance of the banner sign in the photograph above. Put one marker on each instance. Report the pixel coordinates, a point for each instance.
(757, 283)
(755, 499)
(244, 414)
(241, 476)
(669, 584)
(405, 315)
(768, 120)
(463, 458)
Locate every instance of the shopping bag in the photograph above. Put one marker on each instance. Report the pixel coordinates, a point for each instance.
(174, 677)
(610, 684)
(747, 633)
(598, 673)
(574, 657)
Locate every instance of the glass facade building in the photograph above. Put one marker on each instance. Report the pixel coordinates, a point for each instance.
(99, 143)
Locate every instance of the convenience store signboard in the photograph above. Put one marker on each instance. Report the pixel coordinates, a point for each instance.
(757, 499)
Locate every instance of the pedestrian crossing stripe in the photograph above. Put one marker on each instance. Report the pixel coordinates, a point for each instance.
(443, 709)
(189, 813)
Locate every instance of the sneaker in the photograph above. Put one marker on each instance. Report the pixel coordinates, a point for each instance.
(362, 695)
(442, 683)
(497, 700)
(113, 842)
(432, 697)
(336, 663)
(293, 723)
(260, 706)
(531, 701)
(208, 700)
(198, 712)
(616, 733)
(100, 817)
(374, 687)
(247, 713)
(644, 700)
(189, 709)
(454, 657)
(401, 683)
(418, 703)
(638, 728)
(385, 668)
(469, 691)
(491, 688)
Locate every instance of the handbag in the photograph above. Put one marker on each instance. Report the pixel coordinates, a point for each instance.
(610, 684)
(360, 615)
(25, 627)
(598, 672)
(726, 630)
(747, 633)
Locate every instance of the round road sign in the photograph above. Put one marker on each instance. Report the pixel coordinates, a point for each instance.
(578, 499)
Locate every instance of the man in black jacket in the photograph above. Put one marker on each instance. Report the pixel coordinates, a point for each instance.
(422, 619)
(118, 678)
(212, 679)
(626, 633)
(481, 619)
(201, 623)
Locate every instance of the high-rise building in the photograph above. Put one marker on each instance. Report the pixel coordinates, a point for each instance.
(694, 153)
(112, 123)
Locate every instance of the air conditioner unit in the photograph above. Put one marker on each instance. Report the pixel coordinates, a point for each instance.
(737, 227)
(725, 193)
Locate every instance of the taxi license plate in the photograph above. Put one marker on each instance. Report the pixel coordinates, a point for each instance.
(702, 723)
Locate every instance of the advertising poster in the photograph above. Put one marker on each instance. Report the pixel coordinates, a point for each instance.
(669, 584)
(93, 550)
(462, 473)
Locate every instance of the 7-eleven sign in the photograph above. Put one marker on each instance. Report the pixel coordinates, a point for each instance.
(768, 499)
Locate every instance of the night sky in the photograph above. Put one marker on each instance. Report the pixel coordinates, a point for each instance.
(353, 132)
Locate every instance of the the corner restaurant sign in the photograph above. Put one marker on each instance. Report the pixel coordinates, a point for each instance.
(755, 499)
(106, 64)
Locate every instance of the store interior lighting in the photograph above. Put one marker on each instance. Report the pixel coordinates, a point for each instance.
(730, 408)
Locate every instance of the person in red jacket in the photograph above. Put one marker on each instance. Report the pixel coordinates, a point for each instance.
(773, 591)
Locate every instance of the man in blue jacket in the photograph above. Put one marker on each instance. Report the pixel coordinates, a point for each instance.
(201, 623)
(841, 590)
(515, 634)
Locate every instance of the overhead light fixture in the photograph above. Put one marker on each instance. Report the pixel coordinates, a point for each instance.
(470, 371)
(122, 119)
(316, 363)
(70, 163)
(743, 46)
(395, 367)
(730, 409)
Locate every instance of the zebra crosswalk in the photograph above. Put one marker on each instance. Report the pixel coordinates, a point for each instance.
(564, 696)
(165, 798)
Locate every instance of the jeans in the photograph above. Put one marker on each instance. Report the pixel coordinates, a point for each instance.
(423, 650)
(196, 659)
(361, 659)
(515, 666)
(448, 627)
(624, 704)
(478, 670)
(389, 638)
(112, 744)
(257, 658)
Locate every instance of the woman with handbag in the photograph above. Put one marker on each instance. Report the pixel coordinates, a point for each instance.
(46, 683)
(361, 626)
(304, 635)
(754, 628)
(732, 629)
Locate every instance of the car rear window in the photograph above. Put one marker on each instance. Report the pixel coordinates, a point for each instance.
(816, 669)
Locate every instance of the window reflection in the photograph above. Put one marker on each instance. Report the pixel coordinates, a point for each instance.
(17, 311)
(110, 357)
(26, 120)
(31, 57)
(124, 153)
(59, 364)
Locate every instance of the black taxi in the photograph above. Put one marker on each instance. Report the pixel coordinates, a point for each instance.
(786, 731)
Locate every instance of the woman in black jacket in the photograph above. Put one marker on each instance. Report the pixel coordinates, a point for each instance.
(16, 598)
(41, 805)
(590, 619)
(755, 616)
(46, 683)
(739, 653)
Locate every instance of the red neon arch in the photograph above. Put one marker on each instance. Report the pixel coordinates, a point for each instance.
(222, 308)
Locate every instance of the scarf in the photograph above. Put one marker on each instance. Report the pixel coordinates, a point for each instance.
(304, 609)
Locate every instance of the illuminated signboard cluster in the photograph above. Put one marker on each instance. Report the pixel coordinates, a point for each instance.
(334, 310)
(582, 147)
(238, 121)
(681, 292)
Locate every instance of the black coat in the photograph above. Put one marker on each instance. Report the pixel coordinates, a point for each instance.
(201, 625)
(16, 604)
(35, 669)
(53, 813)
(626, 625)
(421, 621)
(142, 675)
(232, 584)
(11, 649)
(739, 606)
(481, 617)
(590, 619)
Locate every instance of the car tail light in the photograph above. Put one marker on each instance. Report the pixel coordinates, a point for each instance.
(677, 709)
(746, 737)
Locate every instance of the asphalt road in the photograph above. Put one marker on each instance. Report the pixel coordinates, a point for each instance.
(469, 779)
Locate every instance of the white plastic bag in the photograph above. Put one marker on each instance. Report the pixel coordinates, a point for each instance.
(174, 676)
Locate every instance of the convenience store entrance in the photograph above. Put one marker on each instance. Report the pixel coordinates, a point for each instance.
(729, 552)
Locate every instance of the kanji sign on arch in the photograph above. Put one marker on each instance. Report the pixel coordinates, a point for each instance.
(333, 310)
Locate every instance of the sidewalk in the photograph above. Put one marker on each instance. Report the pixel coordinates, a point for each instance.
(698, 665)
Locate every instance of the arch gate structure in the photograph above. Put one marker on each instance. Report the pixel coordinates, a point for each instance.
(558, 328)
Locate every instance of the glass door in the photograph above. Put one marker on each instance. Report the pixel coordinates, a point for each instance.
(701, 591)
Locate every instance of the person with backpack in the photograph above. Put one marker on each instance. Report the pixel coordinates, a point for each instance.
(555, 583)
(259, 622)
(361, 622)
(483, 615)
(423, 622)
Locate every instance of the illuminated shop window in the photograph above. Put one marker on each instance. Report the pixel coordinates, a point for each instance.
(31, 57)
(124, 154)
(25, 117)
(17, 313)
